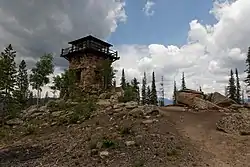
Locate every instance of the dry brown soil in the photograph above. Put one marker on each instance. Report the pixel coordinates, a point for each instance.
(176, 139)
(200, 128)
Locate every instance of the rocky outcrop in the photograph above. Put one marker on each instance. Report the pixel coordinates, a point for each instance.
(195, 100)
(198, 101)
(221, 100)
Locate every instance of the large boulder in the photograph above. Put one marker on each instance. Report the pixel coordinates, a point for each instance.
(187, 96)
(221, 100)
(195, 100)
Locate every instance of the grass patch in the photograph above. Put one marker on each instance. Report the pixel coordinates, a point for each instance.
(107, 143)
(139, 163)
(126, 130)
(30, 129)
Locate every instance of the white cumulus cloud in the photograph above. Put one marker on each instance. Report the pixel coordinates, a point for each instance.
(207, 57)
(148, 8)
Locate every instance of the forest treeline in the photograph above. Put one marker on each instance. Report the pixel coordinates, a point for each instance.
(16, 85)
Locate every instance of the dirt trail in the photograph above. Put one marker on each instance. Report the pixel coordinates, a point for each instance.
(200, 129)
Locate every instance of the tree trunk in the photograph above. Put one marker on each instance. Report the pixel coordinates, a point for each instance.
(37, 97)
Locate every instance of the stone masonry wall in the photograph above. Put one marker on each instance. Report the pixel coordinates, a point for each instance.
(91, 79)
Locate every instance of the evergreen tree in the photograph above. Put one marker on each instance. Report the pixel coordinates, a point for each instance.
(123, 80)
(148, 95)
(30, 99)
(129, 94)
(114, 83)
(174, 94)
(39, 76)
(232, 87)
(247, 80)
(46, 98)
(136, 90)
(153, 97)
(238, 94)
(22, 84)
(143, 89)
(183, 82)
(161, 100)
(242, 97)
(8, 77)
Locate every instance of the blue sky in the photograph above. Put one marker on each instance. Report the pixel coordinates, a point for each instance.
(168, 25)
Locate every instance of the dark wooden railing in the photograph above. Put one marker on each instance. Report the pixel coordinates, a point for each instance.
(89, 45)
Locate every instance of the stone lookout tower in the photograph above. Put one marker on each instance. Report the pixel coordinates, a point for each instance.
(85, 55)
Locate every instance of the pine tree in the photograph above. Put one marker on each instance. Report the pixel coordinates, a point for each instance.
(114, 83)
(30, 99)
(8, 77)
(136, 90)
(183, 82)
(238, 94)
(174, 94)
(123, 80)
(153, 97)
(161, 101)
(232, 87)
(39, 76)
(148, 95)
(247, 80)
(200, 89)
(143, 89)
(22, 84)
(242, 97)
(46, 98)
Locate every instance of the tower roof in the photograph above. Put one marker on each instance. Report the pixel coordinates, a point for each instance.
(90, 38)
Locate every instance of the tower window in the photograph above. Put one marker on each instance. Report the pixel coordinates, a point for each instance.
(78, 75)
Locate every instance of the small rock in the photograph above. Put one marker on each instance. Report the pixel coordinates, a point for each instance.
(131, 105)
(56, 114)
(150, 110)
(53, 123)
(35, 115)
(15, 121)
(119, 105)
(118, 109)
(136, 112)
(98, 128)
(94, 152)
(104, 103)
(104, 154)
(99, 145)
(149, 121)
(130, 143)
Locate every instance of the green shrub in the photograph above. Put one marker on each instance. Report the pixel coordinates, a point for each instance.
(82, 111)
(108, 143)
(129, 95)
(56, 105)
(30, 129)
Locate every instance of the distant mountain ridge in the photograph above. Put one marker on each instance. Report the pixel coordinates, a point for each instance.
(167, 101)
